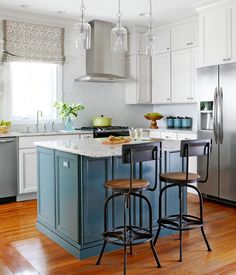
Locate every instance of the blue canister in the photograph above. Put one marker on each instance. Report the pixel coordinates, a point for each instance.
(170, 122)
(178, 122)
(187, 122)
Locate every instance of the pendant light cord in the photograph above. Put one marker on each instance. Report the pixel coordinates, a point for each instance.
(82, 8)
(119, 14)
(150, 17)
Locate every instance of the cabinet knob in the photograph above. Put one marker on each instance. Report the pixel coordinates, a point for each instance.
(228, 59)
(225, 59)
(167, 48)
(168, 98)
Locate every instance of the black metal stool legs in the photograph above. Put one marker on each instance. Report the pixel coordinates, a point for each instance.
(201, 216)
(101, 253)
(105, 224)
(150, 226)
(126, 205)
(181, 221)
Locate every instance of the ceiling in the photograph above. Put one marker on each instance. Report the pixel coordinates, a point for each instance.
(164, 11)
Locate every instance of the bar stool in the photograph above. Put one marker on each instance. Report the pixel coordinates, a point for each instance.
(181, 221)
(129, 234)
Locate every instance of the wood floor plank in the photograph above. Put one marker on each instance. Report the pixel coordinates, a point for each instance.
(24, 250)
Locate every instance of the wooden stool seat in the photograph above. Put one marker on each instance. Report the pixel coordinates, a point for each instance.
(179, 177)
(123, 185)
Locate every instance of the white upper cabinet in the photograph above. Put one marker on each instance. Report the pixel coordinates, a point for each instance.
(183, 75)
(184, 36)
(217, 35)
(163, 41)
(135, 40)
(213, 38)
(138, 85)
(161, 79)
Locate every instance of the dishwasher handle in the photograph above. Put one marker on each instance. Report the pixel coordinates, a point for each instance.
(6, 140)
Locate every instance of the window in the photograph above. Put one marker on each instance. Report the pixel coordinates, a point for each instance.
(33, 87)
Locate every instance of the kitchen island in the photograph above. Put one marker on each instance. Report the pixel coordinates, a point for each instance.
(71, 193)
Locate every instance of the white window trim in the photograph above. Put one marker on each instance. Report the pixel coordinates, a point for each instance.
(7, 97)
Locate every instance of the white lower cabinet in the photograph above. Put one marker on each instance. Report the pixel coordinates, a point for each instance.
(28, 160)
(27, 171)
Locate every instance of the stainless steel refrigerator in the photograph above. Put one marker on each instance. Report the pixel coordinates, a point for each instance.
(218, 85)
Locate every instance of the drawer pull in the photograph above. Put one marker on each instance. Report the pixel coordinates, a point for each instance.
(66, 164)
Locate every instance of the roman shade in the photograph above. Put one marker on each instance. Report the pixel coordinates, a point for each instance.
(32, 42)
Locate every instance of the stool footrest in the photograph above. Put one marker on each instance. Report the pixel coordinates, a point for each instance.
(173, 222)
(134, 235)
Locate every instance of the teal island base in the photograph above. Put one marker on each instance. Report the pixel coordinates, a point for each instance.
(71, 194)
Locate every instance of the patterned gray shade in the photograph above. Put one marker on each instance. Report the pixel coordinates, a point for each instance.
(32, 42)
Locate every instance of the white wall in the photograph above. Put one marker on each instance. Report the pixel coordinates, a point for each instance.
(177, 110)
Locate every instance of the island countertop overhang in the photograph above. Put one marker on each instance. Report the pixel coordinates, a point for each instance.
(95, 148)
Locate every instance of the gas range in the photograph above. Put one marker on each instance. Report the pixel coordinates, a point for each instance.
(107, 131)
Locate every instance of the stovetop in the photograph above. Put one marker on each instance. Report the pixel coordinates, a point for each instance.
(104, 129)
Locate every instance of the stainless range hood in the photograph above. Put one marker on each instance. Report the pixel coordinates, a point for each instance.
(102, 65)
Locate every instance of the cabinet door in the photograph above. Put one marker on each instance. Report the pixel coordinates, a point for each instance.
(161, 78)
(67, 195)
(194, 33)
(194, 56)
(27, 171)
(143, 79)
(213, 37)
(95, 172)
(180, 37)
(131, 83)
(163, 38)
(181, 75)
(232, 33)
(46, 187)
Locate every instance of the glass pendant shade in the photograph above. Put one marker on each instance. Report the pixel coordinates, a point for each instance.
(149, 39)
(119, 39)
(83, 35)
(119, 42)
(150, 44)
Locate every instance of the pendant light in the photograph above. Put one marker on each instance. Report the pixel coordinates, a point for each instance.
(82, 31)
(150, 41)
(119, 35)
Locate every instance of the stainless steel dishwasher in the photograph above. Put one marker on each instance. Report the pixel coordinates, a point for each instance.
(8, 169)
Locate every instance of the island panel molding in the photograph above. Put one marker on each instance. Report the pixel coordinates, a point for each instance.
(71, 194)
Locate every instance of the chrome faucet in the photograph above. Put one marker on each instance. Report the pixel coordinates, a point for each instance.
(39, 113)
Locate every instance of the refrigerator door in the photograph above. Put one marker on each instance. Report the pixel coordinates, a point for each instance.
(208, 91)
(211, 187)
(228, 132)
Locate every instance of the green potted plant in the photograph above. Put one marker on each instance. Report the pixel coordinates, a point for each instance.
(68, 112)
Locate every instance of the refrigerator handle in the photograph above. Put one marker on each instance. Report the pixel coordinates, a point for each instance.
(215, 116)
(221, 132)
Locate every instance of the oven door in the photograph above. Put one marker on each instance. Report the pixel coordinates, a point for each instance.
(118, 133)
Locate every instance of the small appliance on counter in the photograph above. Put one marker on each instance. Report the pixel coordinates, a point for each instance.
(179, 122)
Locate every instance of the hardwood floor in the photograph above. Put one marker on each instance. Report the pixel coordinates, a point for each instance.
(23, 250)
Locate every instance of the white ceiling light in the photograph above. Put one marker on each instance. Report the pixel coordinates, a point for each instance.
(150, 41)
(119, 35)
(83, 30)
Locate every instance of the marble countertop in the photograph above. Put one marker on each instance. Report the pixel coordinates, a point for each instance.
(95, 149)
(53, 133)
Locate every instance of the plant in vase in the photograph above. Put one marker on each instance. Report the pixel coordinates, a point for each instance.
(67, 112)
